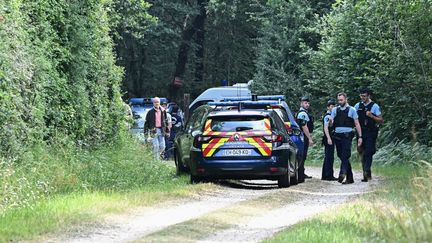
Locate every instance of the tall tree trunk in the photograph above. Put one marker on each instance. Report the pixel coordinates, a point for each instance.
(200, 39)
(187, 35)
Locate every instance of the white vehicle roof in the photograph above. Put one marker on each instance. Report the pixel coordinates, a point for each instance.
(219, 93)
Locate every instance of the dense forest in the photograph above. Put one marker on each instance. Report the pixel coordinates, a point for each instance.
(67, 67)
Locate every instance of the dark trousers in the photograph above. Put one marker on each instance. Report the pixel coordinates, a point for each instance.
(343, 142)
(301, 166)
(327, 170)
(369, 149)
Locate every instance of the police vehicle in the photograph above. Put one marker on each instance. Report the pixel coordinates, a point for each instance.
(232, 140)
(283, 110)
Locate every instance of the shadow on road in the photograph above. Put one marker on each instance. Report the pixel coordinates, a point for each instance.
(248, 185)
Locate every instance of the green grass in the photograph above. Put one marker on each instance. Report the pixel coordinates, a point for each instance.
(52, 189)
(63, 211)
(397, 211)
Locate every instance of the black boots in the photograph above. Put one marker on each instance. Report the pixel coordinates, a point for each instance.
(367, 176)
(344, 179)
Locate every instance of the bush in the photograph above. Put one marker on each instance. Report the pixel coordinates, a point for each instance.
(45, 171)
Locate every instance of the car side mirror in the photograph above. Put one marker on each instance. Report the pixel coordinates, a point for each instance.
(196, 133)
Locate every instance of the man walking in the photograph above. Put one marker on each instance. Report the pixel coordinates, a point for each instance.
(155, 127)
(306, 120)
(345, 118)
(369, 114)
(329, 147)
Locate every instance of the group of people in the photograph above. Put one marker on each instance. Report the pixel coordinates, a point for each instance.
(338, 125)
(160, 129)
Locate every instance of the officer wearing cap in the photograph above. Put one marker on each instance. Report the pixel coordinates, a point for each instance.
(306, 120)
(370, 117)
(329, 147)
(345, 118)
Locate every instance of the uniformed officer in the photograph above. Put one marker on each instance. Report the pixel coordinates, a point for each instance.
(345, 118)
(329, 147)
(306, 120)
(369, 114)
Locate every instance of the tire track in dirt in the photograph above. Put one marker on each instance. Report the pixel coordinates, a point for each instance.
(245, 211)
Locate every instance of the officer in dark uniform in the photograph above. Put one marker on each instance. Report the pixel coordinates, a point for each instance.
(345, 118)
(329, 147)
(369, 114)
(306, 120)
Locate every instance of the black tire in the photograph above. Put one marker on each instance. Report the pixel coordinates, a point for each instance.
(180, 168)
(294, 179)
(284, 181)
(195, 179)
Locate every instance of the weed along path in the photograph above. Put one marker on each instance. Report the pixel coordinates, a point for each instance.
(239, 211)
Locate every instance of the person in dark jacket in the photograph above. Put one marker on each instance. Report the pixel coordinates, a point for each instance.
(345, 118)
(370, 118)
(329, 147)
(155, 128)
(306, 121)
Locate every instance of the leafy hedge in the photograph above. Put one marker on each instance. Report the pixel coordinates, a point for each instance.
(58, 76)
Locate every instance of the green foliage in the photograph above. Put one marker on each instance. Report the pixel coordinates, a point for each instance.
(281, 46)
(384, 45)
(45, 172)
(57, 74)
(397, 211)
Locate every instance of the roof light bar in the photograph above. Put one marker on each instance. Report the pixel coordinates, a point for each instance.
(244, 103)
(260, 98)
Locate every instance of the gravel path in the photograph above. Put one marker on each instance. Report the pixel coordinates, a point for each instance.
(245, 211)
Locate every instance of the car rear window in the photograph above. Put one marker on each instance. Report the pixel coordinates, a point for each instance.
(238, 124)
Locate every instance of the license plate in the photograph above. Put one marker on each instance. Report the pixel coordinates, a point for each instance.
(237, 152)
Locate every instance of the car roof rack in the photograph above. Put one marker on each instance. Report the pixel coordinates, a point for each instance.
(244, 104)
(260, 98)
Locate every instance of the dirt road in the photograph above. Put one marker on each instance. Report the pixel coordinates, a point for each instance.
(239, 211)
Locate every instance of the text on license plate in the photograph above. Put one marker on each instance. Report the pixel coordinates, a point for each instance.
(238, 152)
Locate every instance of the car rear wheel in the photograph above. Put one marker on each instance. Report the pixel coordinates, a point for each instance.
(285, 180)
(180, 168)
(195, 179)
(294, 179)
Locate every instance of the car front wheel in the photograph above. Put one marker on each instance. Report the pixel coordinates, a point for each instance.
(285, 180)
(180, 168)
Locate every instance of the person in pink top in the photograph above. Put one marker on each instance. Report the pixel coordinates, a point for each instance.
(155, 126)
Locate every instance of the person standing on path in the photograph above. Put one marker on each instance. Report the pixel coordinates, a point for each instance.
(345, 118)
(155, 127)
(329, 147)
(370, 117)
(306, 121)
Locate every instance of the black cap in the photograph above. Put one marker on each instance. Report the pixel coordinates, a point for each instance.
(331, 102)
(304, 98)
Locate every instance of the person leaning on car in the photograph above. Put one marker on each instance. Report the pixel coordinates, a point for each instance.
(156, 127)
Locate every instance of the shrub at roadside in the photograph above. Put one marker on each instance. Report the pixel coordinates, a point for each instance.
(44, 172)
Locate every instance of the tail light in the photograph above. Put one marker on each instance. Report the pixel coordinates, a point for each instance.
(289, 129)
(200, 140)
(274, 138)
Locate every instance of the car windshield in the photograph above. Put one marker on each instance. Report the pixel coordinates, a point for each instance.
(237, 123)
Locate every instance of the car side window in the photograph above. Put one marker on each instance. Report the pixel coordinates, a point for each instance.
(282, 114)
(197, 124)
(192, 120)
(279, 125)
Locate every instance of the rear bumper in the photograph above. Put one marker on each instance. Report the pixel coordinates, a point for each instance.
(239, 168)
